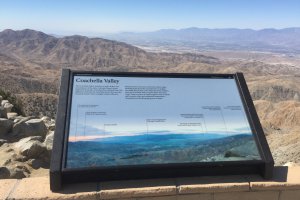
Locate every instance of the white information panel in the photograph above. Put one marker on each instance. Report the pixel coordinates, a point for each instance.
(119, 121)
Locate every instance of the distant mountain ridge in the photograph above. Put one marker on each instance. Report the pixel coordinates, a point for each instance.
(80, 51)
(285, 40)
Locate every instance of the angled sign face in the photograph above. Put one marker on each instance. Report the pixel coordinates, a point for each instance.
(114, 126)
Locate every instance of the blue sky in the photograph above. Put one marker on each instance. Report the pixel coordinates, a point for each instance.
(107, 16)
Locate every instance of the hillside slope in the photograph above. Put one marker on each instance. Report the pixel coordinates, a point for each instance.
(79, 51)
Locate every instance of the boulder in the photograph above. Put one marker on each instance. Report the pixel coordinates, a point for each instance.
(5, 126)
(30, 147)
(23, 166)
(296, 97)
(37, 163)
(48, 144)
(3, 113)
(51, 127)
(3, 102)
(12, 115)
(17, 173)
(50, 123)
(31, 138)
(32, 127)
(20, 158)
(8, 107)
(23, 119)
(49, 140)
(46, 119)
(4, 172)
(2, 142)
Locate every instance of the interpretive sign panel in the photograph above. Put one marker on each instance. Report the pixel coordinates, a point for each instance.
(148, 125)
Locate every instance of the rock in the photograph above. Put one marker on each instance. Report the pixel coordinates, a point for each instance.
(24, 119)
(5, 156)
(1, 98)
(3, 113)
(4, 172)
(8, 107)
(30, 147)
(50, 123)
(48, 144)
(3, 102)
(17, 173)
(5, 126)
(12, 115)
(37, 163)
(49, 140)
(231, 154)
(51, 127)
(32, 127)
(31, 138)
(22, 166)
(296, 97)
(9, 150)
(46, 119)
(6, 162)
(2, 142)
(20, 158)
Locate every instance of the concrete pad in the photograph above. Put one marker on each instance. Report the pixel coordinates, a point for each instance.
(6, 186)
(137, 188)
(195, 197)
(290, 195)
(212, 184)
(38, 188)
(158, 198)
(285, 178)
(264, 195)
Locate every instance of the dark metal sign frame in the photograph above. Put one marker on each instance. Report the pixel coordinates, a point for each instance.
(60, 175)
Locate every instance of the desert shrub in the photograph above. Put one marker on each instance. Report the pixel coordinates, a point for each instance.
(13, 100)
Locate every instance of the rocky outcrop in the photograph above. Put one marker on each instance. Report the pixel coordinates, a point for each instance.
(49, 140)
(32, 127)
(5, 126)
(3, 113)
(2, 142)
(25, 143)
(30, 147)
(4, 172)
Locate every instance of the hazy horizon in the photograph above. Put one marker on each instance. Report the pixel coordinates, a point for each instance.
(122, 32)
(105, 17)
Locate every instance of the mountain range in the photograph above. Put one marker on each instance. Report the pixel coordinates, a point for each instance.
(273, 40)
(79, 51)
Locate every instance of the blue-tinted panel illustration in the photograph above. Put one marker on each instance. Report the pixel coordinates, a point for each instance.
(117, 121)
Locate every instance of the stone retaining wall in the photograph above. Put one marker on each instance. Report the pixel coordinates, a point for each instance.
(284, 186)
